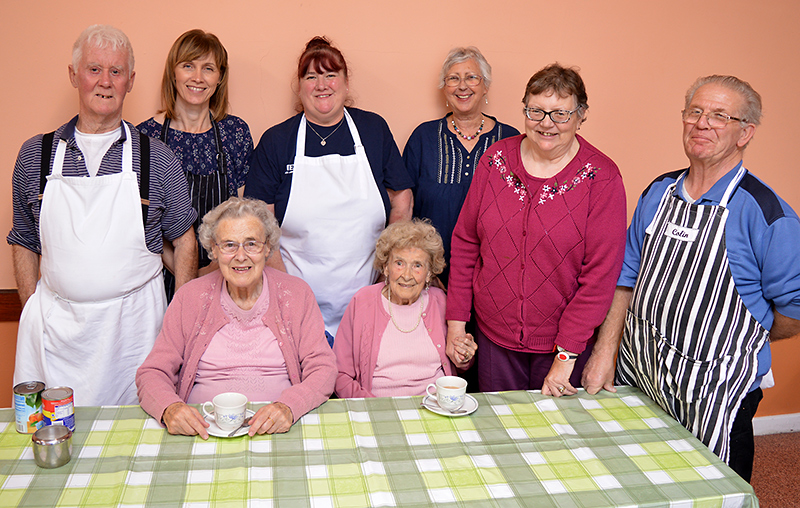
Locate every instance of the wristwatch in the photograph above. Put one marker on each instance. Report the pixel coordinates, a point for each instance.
(565, 355)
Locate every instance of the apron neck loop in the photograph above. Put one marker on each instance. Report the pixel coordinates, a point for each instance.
(220, 155)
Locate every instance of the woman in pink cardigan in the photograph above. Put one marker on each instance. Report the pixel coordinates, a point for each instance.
(391, 341)
(538, 245)
(242, 328)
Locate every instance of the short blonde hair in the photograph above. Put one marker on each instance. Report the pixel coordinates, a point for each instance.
(416, 233)
(235, 208)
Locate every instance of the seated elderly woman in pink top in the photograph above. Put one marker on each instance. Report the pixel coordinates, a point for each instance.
(243, 328)
(391, 340)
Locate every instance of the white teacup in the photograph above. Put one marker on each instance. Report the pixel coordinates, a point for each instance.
(229, 410)
(450, 392)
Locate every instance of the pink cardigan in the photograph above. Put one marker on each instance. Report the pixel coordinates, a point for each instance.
(195, 316)
(358, 339)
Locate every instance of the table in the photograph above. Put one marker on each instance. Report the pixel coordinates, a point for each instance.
(518, 449)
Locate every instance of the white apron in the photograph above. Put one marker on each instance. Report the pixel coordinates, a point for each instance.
(100, 301)
(333, 218)
(690, 343)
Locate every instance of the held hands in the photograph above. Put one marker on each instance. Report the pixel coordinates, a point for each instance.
(182, 419)
(461, 345)
(274, 418)
(556, 383)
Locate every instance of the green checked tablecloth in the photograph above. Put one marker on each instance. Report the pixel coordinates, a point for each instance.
(517, 449)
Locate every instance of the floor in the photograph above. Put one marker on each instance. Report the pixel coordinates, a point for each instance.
(776, 470)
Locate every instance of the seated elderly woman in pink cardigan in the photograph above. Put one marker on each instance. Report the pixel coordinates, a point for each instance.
(243, 328)
(391, 340)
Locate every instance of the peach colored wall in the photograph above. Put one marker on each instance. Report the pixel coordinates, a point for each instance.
(637, 59)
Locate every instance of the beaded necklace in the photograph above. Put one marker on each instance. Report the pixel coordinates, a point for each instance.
(468, 138)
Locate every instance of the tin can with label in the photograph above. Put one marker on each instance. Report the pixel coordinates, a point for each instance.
(58, 407)
(28, 406)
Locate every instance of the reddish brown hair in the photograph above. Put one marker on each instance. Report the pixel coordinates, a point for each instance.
(320, 53)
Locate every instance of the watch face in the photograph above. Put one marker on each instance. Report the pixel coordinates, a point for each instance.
(564, 357)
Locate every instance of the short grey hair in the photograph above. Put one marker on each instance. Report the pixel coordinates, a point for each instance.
(459, 55)
(236, 208)
(102, 36)
(752, 100)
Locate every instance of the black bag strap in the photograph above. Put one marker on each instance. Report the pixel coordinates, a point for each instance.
(47, 155)
(144, 174)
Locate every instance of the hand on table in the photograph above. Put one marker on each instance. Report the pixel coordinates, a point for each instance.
(598, 374)
(461, 346)
(273, 418)
(182, 419)
(556, 383)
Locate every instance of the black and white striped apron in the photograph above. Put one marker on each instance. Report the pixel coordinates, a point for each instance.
(690, 343)
(206, 192)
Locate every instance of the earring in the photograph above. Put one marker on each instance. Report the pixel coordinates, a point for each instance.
(446, 104)
(486, 99)
(427, 284)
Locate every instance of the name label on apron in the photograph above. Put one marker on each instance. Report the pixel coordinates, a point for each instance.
(680, 233)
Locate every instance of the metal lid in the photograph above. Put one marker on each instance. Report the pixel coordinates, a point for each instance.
(29, 387)
(51, 435)
(57, 393)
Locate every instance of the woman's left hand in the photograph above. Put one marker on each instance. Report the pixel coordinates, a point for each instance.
(557, 381)
(275, 418)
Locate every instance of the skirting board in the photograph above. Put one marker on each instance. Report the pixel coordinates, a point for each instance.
(778, 424)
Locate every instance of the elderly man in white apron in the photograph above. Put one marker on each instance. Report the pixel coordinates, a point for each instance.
(98, 306)
(713, 260)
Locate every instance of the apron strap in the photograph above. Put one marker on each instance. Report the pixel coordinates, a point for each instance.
(144, 174)
(47, 156)
(220, 157)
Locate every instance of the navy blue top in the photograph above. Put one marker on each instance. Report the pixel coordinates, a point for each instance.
(198, 151)
(270, 176)
(442, 170)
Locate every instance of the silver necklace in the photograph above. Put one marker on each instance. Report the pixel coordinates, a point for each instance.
(419, 318)
(322, 140)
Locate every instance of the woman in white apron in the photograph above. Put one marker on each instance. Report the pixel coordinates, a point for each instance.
(99, 303)
(335, 186)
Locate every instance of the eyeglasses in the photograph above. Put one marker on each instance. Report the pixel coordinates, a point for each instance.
(250, 247)
(557, 116)
(470, 80)
(715, 119)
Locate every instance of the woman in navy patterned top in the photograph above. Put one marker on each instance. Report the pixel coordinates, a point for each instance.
(214, 147)
(441, 155)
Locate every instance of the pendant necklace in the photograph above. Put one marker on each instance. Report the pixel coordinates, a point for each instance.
(322, 140)
(419, 318)
(458, 131)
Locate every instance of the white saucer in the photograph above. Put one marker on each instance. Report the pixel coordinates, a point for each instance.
(213, 430)
(470, 405)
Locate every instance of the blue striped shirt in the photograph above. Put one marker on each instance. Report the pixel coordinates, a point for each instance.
(169, 215)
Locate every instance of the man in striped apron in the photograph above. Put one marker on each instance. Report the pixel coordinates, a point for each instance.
(711, 275)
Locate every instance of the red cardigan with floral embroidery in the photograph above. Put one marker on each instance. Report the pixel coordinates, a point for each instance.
(538, 257)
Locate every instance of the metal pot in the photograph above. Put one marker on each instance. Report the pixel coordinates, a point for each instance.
(52, 446)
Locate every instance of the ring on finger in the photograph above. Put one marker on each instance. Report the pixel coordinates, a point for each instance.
(560, 389)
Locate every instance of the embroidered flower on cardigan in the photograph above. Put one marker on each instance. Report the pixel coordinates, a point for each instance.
(497, 160)
(550, 191)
